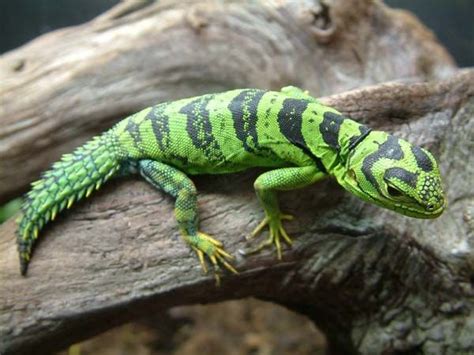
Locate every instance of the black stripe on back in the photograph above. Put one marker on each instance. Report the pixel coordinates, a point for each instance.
(199, 128)
(329, 128)
(245, 115)
(290, 120)
(160, 125)
(133, 129)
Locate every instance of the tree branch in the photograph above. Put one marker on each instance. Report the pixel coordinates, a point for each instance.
(66, 86)
(374, 281)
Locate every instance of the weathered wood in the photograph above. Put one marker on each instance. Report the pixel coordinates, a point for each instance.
(60, 89)
(374, 281)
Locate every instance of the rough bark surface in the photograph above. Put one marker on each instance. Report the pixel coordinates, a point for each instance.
(374, 281)
(60, 89)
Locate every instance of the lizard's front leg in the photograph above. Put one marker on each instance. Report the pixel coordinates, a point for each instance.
(266, 186)
(178, 185)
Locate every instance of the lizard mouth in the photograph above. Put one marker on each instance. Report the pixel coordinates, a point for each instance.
(440, 209)
(420, 211)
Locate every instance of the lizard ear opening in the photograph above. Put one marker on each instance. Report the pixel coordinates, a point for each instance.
(350, 180)
(351, 174)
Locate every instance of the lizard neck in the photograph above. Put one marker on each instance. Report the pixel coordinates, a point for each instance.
(332, 137)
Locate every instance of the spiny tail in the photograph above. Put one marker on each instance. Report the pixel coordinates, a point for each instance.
(76, 175)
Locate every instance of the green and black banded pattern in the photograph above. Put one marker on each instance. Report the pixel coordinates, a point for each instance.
(290, 121)
(330, 127)
(199, 129)
(75, 176)
(244, 109)
(290, 133)
(160, 126)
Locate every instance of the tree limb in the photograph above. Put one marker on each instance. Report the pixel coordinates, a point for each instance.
(374, 281)
(68, 85)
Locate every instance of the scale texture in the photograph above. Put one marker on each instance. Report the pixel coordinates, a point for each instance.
(289, 132)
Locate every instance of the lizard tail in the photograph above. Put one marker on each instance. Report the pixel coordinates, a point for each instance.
(76, 175)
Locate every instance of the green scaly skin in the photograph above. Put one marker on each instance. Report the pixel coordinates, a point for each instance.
(298, 139)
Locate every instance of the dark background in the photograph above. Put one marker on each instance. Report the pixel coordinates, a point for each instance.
(451, 20)
(22, 20)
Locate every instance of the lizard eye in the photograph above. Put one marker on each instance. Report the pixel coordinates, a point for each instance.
(393, 191)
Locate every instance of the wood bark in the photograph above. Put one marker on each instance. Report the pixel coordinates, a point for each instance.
(62, 88)
(373, 281)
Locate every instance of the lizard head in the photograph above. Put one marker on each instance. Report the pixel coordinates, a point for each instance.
(395, 174)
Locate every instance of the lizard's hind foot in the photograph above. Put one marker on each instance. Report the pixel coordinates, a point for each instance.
(205, 245)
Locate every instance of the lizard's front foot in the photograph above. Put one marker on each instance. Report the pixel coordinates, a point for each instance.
(203, 244)
(276, 232)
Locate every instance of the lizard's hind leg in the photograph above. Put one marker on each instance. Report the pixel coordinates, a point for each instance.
(178, 185)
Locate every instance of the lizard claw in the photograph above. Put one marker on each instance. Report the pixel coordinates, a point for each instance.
(204, 245)
(276, 232)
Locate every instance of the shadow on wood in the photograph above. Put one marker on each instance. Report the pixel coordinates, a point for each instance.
(372, 280)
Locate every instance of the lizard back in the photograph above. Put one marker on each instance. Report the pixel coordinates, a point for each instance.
(212, 134)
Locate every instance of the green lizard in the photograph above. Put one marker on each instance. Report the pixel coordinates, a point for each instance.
(289, 132)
